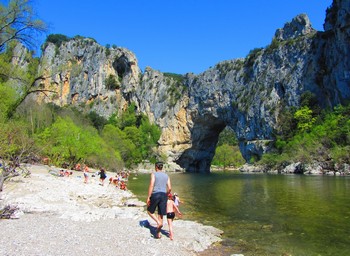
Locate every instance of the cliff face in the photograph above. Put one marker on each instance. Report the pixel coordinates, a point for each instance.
(246, 95)
(87, 75)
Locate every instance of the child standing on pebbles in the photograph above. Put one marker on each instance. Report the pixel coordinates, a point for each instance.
(86, 174)
(171, 208)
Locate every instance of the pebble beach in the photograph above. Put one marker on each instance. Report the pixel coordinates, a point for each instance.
(64, 216)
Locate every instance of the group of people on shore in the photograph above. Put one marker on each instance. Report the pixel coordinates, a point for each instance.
(120, 180)
(159, 194)
(160, 198)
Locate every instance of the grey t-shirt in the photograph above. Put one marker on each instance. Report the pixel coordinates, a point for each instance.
(160, 183)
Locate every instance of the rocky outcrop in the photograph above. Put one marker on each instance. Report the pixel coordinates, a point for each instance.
(85, 74)
(247, 95)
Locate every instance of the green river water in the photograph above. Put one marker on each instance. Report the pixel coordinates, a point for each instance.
(263, 214)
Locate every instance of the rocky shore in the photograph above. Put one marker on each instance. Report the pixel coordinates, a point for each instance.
(64, 216)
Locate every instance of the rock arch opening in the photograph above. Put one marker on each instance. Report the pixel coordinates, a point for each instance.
(205, 135)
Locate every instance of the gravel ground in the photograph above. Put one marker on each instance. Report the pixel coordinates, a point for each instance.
(64, 216)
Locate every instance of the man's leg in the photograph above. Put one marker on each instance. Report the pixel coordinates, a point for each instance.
(160, 225)
(154, 217)
(160, 221)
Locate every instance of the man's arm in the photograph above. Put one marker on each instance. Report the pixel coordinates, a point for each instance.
(169, 185)
(150, 188)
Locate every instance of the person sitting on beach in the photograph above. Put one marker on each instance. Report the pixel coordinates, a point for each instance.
(67, 173)
(114, 181)
(171, 209)
(78, 167)
(123, 185)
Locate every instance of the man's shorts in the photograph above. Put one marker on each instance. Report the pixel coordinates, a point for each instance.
(158, 200)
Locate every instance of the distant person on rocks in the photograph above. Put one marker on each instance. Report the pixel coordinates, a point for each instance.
(177, 199)
(103, 176)
(123, 185)
(78, 167)
(114, 180)
(86, 174)
(171, 209)
(67, 173)
(158, 190)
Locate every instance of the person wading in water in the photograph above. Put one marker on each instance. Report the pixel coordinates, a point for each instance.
(159, 188)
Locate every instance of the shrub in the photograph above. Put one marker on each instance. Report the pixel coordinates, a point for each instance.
(57, 39)
(112, 83)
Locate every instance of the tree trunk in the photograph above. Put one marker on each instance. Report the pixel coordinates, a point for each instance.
(2, 179)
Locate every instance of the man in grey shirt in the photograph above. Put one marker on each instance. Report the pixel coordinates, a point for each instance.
(159, 188)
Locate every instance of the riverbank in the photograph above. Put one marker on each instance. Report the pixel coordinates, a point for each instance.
(65, 216)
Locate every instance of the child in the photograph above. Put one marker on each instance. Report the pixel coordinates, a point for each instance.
(177, 199)
(171, 208)
(86, 174)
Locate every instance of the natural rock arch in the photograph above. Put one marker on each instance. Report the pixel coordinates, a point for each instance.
(205, 135)
(249, 95)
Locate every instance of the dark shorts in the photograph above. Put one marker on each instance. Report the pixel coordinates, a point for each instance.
(170, 215)
(158, 200)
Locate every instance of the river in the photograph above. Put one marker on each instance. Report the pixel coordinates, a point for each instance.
(264, 214)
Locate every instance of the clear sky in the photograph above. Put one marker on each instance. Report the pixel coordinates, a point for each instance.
(178, 36)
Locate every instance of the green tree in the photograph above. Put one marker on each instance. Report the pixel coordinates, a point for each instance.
(226, 155)
(23, 81)
(8, 96)
(304, 119)
(150, 135)
(64, 141)
(128, 117)
(18, 23)
(16, 147)
(286, 127)
(56, 39)
(133, 136)
(118, 140)
(97, 120)
(310, 100)
(227, 136)
(326, 141)
(38, 116)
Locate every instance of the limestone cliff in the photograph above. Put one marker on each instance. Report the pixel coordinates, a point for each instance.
(78, 71)
(246, 95)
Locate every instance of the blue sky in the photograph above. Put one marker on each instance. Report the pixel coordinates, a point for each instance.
(178, 36)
